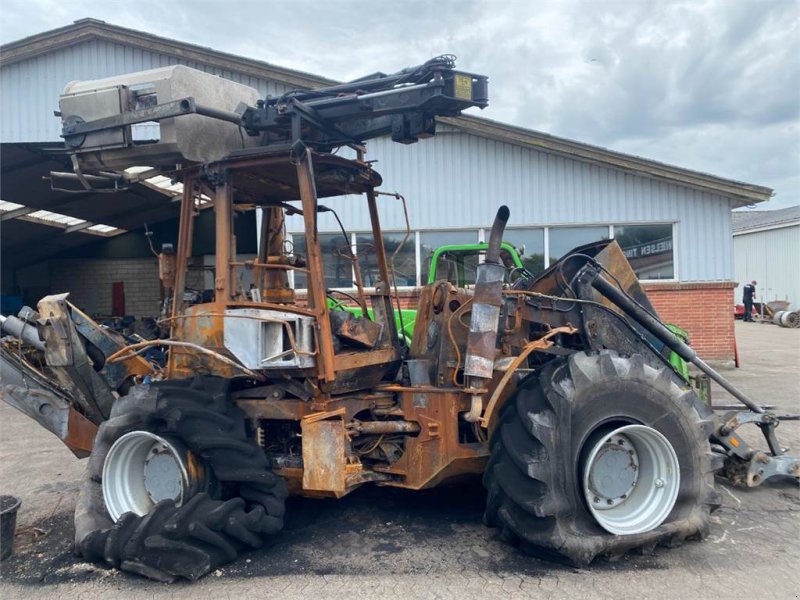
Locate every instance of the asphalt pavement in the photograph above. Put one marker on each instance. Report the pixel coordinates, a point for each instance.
(385, 543)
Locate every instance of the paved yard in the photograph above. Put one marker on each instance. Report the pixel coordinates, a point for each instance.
(389, 543)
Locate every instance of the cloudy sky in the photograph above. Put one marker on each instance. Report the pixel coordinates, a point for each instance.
(711, 85)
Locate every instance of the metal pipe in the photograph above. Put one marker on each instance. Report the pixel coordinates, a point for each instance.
(381, 427)
(21, 330)
(496, 235)
(475, 409)
(655, 327)
(215, 113)
(482, 339)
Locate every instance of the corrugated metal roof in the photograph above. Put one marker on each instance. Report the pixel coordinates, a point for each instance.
(40, 220)
(747, 220)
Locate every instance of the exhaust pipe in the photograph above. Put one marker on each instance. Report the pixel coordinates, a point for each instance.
(482, 340)
(496, 236)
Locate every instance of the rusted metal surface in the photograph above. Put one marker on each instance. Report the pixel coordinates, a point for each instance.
(483, 328)
(184, 249)
(382, 302)
(225, 246)
(80, 434)
(316, 280)
(499, 392)
(66, 356)
(166, 269)
(355, 330)
(363, 370)
(380, 427)
(324, 452)
(203, 326)
(270, 408)
(435, 453)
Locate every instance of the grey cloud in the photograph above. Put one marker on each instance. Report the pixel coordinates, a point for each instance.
(712, 86)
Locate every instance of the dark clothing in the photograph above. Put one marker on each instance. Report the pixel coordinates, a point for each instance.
(749, 293)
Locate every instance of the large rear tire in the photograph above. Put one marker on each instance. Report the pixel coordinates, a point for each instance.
(544, 458)
(190, 535)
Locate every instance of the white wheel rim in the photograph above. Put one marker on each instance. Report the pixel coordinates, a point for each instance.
(631, 479)
(140, 470)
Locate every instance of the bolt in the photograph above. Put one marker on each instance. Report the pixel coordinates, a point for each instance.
(596, 499)
(609, 502)
(659, 483)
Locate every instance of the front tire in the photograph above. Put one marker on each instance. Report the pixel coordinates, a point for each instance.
(225, 509)
(546, 443)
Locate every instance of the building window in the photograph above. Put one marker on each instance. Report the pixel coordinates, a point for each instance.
(564, 239)
(405, 262)
(529, 243)
(648, 248)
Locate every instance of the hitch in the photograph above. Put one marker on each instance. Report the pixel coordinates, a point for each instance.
(745, 465)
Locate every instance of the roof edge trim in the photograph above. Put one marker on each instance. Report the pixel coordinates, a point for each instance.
(84, 30)
(760, 228)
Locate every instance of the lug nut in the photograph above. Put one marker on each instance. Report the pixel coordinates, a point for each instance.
(659, 483)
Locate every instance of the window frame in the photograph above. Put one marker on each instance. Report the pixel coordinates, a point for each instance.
(481, 233)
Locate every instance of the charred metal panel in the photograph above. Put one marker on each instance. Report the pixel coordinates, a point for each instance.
(267, 339)
(324, 455)
(359, 331)
(66, 356)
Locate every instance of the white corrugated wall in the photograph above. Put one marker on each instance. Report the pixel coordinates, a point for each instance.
(454, 180)
(457, 180)
(29, 89)
(771, 258)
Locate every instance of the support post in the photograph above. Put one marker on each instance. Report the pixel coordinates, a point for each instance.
(223, 209)
(184, 250)
(383, 269)
(316, 276)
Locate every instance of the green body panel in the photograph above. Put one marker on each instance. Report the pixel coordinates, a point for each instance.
(676, 361)
(468, 249)
(406, 318)
(403, 319)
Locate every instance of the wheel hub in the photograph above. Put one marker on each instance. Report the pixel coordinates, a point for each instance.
(631, 478)
(614, 472)
(141, 469)
(162, 474)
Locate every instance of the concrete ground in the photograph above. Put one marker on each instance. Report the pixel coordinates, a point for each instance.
(380, 543)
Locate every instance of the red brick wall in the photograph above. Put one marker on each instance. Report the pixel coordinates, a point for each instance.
(705, 310)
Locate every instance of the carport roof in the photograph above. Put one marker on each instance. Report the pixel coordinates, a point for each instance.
(29, 237)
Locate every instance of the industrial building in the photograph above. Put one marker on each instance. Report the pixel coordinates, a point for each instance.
(766, 246)
(673, 223)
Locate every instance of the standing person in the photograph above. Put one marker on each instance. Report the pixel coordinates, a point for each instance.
(749, 294)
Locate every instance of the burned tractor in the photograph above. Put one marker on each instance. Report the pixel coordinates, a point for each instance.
(558, 389)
